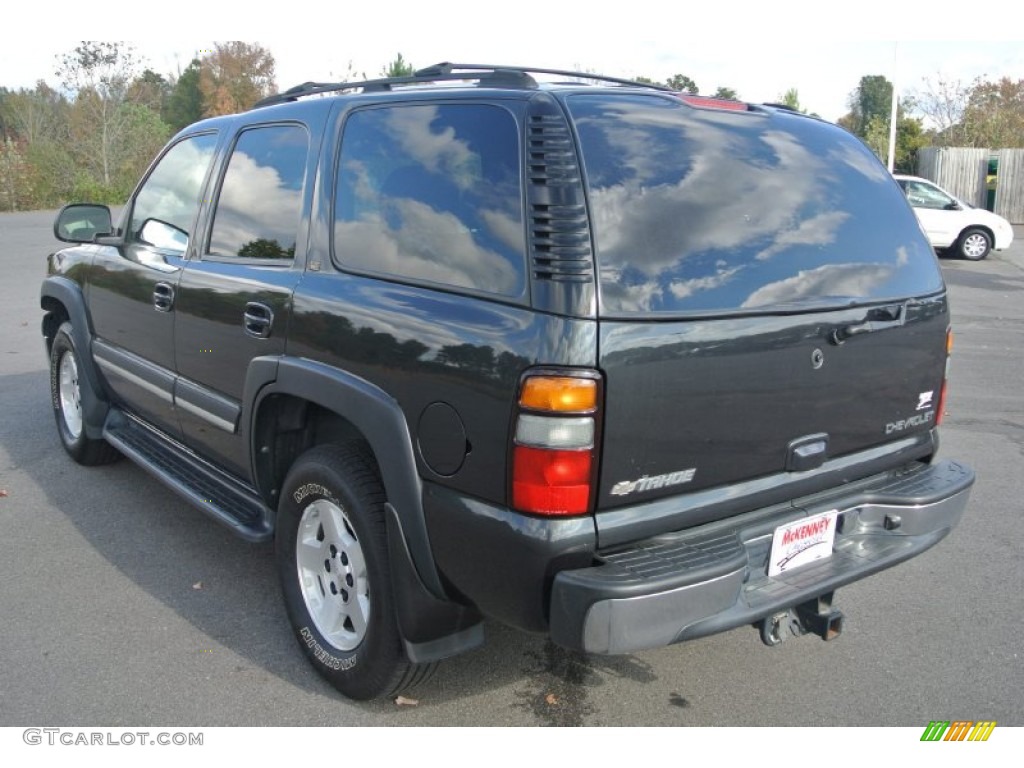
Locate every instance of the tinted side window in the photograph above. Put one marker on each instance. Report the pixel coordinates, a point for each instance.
(925, 195)
(432, 194)
(169, 198)
(709, 211)
(260, 201)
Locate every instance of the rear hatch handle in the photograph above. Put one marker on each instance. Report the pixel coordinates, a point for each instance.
(877, 319)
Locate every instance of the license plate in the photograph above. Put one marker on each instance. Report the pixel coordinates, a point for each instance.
(802, 541)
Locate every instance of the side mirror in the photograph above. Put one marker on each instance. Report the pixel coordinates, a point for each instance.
(952, 205)
(82, 223)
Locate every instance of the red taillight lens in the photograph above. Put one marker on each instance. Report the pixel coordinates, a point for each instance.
(709, 102)
(942, 404)
(548, 482)
(945, 379)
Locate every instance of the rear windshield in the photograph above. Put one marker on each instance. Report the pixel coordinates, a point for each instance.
(698, 210)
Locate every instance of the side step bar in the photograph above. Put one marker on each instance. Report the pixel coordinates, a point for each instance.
(228, 502)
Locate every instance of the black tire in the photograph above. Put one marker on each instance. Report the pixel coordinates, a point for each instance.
(333, 499)
(68, 389)
(974, 244)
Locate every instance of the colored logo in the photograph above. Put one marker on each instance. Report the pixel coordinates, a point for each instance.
(958, 730)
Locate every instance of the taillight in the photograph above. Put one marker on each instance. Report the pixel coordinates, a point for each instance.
(554, 454)
(711, 102)
(945, 379)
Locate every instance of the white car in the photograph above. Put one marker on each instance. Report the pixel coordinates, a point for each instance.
(951, 223)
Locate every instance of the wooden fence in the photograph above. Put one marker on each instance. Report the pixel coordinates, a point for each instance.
(1010, 185)
(963, 171)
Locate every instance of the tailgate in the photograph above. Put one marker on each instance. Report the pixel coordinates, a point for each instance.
(697, 404)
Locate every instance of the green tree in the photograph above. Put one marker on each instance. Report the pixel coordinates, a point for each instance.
(99, 75)
(6, 126)
(262, 248)
(682, 83)
(870, 109)
(870, 99)
(725, 93)
(144, 136)
(791, 98)
(398, 67)
(53, 173)
(234, 76)
(35, 115)
(185, 101)
(910, 137)
(15, 182)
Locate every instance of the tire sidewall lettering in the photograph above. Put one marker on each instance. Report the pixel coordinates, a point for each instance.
(306, 490)
(323, 656)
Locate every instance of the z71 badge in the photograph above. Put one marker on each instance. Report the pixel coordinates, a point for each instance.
(646, 483)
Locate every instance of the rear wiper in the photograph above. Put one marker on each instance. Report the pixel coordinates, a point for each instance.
(877, 319)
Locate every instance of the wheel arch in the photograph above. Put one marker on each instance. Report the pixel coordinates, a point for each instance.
(63, 301)
(298, 403)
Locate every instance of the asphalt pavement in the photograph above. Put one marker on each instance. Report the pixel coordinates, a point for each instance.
(122, 605)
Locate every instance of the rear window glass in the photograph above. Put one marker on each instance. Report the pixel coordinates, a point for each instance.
(706, 210)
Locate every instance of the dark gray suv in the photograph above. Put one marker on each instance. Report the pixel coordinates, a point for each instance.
(603, 361)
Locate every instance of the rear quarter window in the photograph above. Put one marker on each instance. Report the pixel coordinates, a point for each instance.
(432, 194)
(698, 211)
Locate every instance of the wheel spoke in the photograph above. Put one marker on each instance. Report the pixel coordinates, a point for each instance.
(309, 554)
(358, 611)
(330, 518)
(331, 617)
(356, 562)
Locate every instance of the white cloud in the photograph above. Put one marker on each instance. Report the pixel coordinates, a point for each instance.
(430, 245)
(829, 280)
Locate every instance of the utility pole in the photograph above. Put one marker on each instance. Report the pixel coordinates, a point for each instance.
(892, 113)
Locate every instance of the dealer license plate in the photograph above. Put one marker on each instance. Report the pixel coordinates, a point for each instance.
(802, 541)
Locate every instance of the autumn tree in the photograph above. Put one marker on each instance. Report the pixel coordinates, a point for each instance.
(994, 114)
(234, 76)
(150, 89)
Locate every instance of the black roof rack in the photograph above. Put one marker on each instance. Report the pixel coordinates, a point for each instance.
(485, 74)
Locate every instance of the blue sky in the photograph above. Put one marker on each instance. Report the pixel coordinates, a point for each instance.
(758, 49)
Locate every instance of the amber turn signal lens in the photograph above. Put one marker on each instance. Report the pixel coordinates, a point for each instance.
(562, 394)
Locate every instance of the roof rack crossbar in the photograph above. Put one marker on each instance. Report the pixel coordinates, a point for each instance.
(446, 71)
(447, 67)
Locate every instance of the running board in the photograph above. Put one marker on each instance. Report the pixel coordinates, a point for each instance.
(208, 489)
